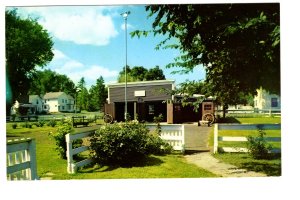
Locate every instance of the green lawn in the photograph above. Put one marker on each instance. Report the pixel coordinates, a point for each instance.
(270, 167)
(49, 164)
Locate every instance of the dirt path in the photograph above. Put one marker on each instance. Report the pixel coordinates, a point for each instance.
(206, 161)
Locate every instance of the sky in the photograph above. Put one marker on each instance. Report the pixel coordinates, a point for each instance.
(89, 42)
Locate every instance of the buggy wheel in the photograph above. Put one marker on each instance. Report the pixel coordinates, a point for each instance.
(108, 118)
(208, 117)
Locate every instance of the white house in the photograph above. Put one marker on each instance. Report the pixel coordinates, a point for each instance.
(265, 100)
(39, 103)
(59, 102)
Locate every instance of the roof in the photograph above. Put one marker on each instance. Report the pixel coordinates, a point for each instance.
(55, 95)
(33, 97)
(141, 83)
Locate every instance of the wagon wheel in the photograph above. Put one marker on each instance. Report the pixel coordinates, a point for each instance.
(108, 118)
(208, 117)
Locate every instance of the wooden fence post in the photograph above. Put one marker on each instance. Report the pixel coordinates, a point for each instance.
(70, 167)
(30, 153)
(216, 138)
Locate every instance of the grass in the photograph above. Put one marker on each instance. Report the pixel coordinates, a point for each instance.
(271, 167)
(49, 164)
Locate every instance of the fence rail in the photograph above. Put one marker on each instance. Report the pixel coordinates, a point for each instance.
(21, 159)
(242, 139)
(72, 166)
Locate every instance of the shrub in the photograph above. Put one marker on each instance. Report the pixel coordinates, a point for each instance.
(52, 123)
(123, 143)
(258, 147)
(14, 125)
(59, 137)
(40, 123)
(26, 125)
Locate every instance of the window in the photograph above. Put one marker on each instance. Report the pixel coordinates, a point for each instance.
(63, 101)
(274, 102)
(151, 109)
(207, 107)
(37, 101)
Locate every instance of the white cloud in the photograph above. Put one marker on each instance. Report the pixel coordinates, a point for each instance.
(75, 70)
(81, 25)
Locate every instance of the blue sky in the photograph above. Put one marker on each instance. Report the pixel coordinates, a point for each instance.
(89, 42)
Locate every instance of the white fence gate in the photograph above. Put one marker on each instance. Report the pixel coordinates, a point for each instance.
(173, 134)
(242, 139)
(21, 159)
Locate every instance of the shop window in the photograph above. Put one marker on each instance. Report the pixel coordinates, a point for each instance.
(151, 109)
(274, 102)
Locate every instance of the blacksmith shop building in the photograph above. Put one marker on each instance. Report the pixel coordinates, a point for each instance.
(145, 99)
(148, 99)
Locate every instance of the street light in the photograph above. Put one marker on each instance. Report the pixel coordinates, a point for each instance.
(125, 15)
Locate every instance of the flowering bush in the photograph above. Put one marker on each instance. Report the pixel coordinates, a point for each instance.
(124, 143)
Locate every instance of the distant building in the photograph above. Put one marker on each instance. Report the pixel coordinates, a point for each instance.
(59, 102)
(266, 101)
(38, 102)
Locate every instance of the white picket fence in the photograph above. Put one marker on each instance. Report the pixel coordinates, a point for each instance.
(242, 139)
(173, 134)
(72, 166)
(21, 159)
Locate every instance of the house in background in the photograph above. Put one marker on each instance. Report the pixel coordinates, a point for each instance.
(266, 101)
(38, 102)
(59, 102)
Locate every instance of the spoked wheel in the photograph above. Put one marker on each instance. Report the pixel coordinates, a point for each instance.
(208, 117)
(108, 118)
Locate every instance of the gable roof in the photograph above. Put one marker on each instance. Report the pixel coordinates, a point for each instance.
(53, 95)
(33, 97)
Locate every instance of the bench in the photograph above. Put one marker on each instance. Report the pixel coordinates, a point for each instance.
(79, 120)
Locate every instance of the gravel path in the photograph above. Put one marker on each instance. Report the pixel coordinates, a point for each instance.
(206, 161)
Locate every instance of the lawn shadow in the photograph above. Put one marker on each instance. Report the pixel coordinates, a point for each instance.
(268, 169)
(228, 120)
(148, 161)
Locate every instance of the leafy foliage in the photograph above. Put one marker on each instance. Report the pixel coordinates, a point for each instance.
(124, 144)
(238, 44)
(97, 95)
(59, 137)
(258, 147)
(27, 45)
(139, 73)
(50, 81)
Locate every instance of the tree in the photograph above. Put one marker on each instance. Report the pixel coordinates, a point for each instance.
(155, 74)
(27, 45)
(82, 95)
(50, 81)
(97, 95)
(139, 73)
(238, 44)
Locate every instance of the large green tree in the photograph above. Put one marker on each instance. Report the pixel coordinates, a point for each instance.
(238, 44)
(50, 81)
(28, 45)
